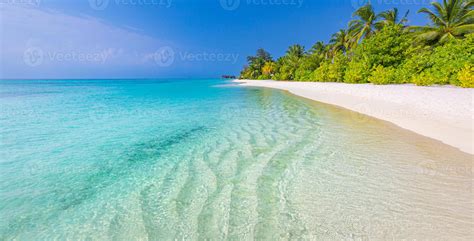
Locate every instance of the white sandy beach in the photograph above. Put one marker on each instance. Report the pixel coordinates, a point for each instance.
(442, 113)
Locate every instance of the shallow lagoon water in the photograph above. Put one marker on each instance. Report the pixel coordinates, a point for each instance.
(206, 159)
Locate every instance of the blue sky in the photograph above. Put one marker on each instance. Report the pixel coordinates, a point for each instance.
(163, 38)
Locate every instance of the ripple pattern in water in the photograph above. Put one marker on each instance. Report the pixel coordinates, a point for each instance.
(199, 159)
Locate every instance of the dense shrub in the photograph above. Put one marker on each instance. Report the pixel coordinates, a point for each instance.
(268, 70)
(322, 73)
(302, 74)
(382, 75)
(439, 65)
(386, 48)
(447, 60)
(357, 72)
(390, 54)
(308, 65)
(466, 76)
(424, 78)
(417, 61)
(338, 68)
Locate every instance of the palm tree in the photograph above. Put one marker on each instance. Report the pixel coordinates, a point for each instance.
(364, 25)
(269, 69)
(390, 17)
(255, 63)
(318, 48)
(295, 51)
(340, 41)
(292, 60)
(261, 56)
(449, 19)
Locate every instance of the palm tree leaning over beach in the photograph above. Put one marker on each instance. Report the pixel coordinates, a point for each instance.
(340, 41)
(449, 19)
(294, 54)
(391, 17)
(365, 23)
(296, 51)
(318, 48)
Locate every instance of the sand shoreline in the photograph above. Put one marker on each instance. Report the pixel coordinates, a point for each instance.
(442, 113)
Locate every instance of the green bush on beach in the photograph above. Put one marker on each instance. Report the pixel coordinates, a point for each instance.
(383, 51)
(382, 75)
(466, 76)
(357, 71)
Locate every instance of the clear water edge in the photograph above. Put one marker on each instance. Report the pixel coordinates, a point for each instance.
(159, 160)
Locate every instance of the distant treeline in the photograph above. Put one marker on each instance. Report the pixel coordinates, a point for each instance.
(382, 49)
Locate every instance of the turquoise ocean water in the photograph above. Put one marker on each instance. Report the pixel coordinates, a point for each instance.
(207, 159)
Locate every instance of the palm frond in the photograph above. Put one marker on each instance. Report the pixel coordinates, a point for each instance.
(429, 36)
(434, 18)
(464, 29)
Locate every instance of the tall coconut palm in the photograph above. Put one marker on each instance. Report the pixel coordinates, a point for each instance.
(341, 41)
(261, 56)
(318, 48)
(391, 17)
(292, 60)
(255, 63)
(449, 19)
(364, 25)
(295, 51)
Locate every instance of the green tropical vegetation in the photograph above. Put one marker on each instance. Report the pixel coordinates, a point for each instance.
(380, 48)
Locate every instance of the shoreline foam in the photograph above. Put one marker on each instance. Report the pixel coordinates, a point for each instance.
(442, 113)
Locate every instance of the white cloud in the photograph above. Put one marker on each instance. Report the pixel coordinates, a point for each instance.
(67, 42)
